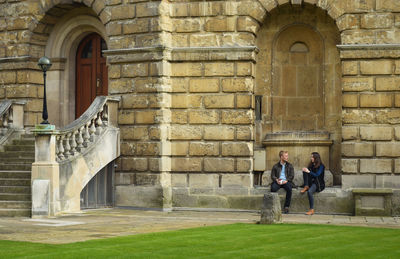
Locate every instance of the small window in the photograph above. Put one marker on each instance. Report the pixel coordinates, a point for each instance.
(299, 47)
(87, 50)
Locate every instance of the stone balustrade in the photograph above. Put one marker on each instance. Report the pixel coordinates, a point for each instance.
(67, 158)
(83, 132)
(11, 118)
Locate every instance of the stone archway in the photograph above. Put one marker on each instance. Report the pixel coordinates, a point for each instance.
(61, 49)
(298, 76)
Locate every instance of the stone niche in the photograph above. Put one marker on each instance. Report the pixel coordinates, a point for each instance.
(300, 145)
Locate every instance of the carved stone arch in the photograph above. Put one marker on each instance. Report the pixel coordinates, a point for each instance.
(61, 45)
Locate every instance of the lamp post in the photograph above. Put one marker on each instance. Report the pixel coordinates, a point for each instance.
(44, 63)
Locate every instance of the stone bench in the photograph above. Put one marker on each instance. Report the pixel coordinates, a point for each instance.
(373, 202)
(298, 178)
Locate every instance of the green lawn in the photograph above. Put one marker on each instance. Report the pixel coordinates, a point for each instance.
(238, 240)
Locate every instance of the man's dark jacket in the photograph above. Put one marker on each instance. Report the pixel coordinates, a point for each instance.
(289, 172)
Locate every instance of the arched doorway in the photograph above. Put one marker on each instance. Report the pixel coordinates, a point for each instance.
(91, 72)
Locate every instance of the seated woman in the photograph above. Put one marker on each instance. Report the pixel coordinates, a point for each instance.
(313, 179)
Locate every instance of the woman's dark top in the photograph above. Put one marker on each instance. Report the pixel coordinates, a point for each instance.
(317, 177)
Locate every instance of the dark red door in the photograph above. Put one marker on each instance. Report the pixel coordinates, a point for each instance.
(91, 72)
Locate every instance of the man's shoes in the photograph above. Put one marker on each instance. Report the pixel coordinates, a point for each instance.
(310, 212)
(305, 189)
(286, 210)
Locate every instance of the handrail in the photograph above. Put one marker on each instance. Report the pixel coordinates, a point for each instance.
(77, 136)
(11, 115)
(4, 106)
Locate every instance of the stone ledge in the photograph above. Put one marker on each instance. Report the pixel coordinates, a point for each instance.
(298, 178)
(372, 191)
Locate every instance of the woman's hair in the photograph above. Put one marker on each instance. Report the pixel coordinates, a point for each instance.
(317, 160)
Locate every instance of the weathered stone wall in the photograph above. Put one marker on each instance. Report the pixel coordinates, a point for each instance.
(187, 72)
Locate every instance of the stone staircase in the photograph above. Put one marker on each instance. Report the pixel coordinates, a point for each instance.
(15, 177)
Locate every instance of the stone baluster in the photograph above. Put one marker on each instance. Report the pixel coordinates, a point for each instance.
(79, 141)
(73, 144)
(99, 123)
(92, 130)
(61, 150)
(105, 115)
(86, 135)
(67, 145)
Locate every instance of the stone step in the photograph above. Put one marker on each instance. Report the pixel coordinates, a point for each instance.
(15, 174)
(15, 182)
(18, 154)
(16, 167)
(15, 189)
(15, 212)
(15, 197)
(19, 148)
(16, 160)
(23, 142)
(15, 204)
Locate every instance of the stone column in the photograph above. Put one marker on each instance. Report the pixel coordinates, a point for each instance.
(45, 173)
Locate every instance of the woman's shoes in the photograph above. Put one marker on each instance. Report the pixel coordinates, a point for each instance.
(305, 189)
(310, 212)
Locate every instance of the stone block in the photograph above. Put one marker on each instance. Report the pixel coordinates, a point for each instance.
(349, 68)
(179, 148)
(237, 85)
(186, 69)
(148, 148)
(179, 180)
(219, 133)
(397, 166)
(271, 209)
(357, 84)
(219, 69)
(376, 67)
(260, 163)
(388, 116)
(209, 85)
(349, 165)
(354, 149)
(373, 202)
(186, 101)
(377, 21)
(41, 197)
(244, 133)
(350, 100)
(244, 165)
(247, 24)
(349, 132)
(179, 116)
(191, 164)
(397, 133)
(237, 149)
(237, 117)
(388, 149)
(387, 83)
(219, 101)
(387, 5)
(388, 181)
(376, 133)
(128, 148)
(179, 85)
(235, 180)
(8, 77)
(203, 180)
(376, 100)
(219, 164)
(120, 12)
(126, 117)
(244, 101)
(376, 166)
(203, 117)
(244, 69)
(145, 117)
(204, 149)
(220, 24)
(357, 181)
(139, 196)
(358, 116)
(185, 132)
(348, 21)
(203, 40)
(186, 25)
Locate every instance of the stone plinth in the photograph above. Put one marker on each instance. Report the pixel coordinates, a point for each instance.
(300, 146)
(373, 202)
(271, 209)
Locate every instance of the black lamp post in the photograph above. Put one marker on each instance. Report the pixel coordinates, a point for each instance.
(44, 64)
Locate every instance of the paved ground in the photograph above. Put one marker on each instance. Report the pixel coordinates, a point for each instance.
(104, 223)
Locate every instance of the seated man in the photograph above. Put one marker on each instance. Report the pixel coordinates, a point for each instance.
(282, 175)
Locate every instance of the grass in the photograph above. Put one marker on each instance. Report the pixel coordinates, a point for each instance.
(227, 241)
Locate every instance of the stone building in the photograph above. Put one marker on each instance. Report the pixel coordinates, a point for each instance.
(212, 90)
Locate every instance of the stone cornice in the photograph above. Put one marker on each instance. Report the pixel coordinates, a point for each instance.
(181, 53)
(15, 59)
(369, 51)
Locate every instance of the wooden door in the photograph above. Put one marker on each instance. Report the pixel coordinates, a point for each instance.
(91, 72)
